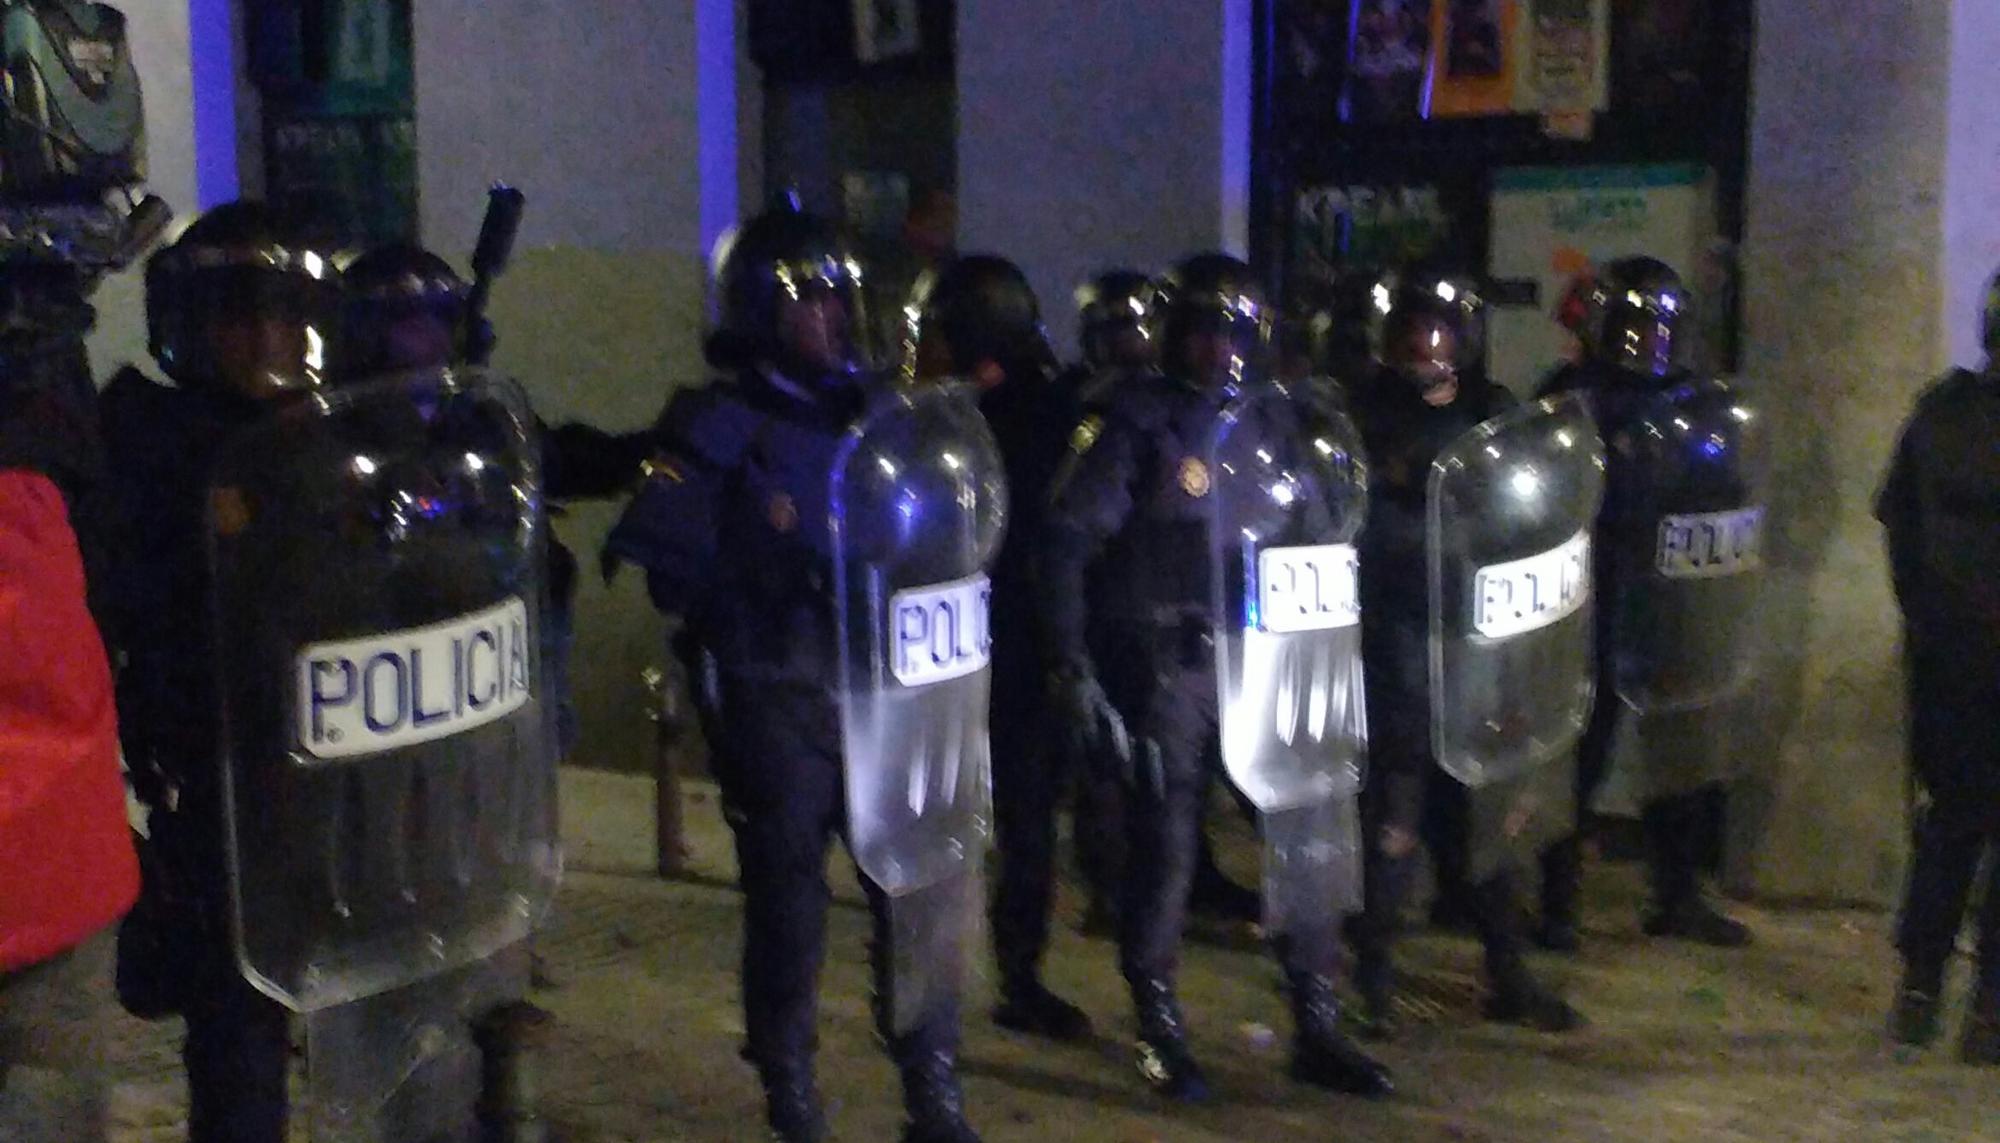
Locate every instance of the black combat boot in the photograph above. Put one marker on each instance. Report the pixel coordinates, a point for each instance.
(1027, 1006)
(791, 1104)
(1164, 1058)
(1558, 929)
(1375, 980)
(1915, 1021)
(934, 1101)
(1693, 918)
(1981, 1042)
(508, 1038)
(1518, 998)
(1322, 1055)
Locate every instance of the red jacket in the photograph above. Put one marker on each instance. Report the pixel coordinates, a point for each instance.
(67, 869)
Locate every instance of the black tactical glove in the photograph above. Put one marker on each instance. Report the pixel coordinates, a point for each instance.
(1095, 727)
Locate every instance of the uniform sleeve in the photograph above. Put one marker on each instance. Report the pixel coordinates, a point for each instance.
(669, 528)
(582, 462)
(1899, 508)
(1088, 503)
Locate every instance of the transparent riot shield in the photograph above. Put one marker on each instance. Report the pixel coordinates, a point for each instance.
(1685, 533)
(389, 762)
(1290, 496)
(918, 504)
(1511, 506)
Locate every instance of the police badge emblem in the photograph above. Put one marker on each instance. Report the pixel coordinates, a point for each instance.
(1086, 434)
(1194, 477)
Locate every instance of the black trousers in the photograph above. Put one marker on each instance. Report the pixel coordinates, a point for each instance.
(1167, 694)
(175, 956)
(1416, 804)
(237, 1053)
(1410, 802)
(1678, 829)
(1032, 773)
(778, 761)
(1950, 845)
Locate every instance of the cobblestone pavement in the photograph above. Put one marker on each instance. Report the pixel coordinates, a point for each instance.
(1782, 1042)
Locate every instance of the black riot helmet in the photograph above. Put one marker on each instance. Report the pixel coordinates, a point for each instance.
(1420, 335)
(979, 312)
(1210, 320)
(405, 310)
(245, 301)
(1636, 317)
(1445, 294)
(1115, 317)
(791, 290)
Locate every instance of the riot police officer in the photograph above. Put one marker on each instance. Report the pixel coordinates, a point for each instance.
(1635, 329)
(241, 314)
(1128, 615)
(1942, 554)
(729, 531)
(980, 321)
(1115, 311)
(1114, 316)
(1426, 394)
(408, 309)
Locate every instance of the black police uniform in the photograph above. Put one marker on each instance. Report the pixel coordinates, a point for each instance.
(1126, 597)
(1031, 773)
(1140, 612)
(1634, 310)
(980, 319)
(1408, 795)
(1676, 827)
(729, 529)
(1941, 509)
(238, 262)
(175, 951)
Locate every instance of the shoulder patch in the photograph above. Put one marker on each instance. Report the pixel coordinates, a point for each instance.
(1086, 433)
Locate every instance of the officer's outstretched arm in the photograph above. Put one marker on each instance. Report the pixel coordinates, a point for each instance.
(1899, 508)
(583, 462)
(669, 529)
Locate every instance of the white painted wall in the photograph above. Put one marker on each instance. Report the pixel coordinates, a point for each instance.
(1095, 135)
(1972, 175)
(618, 119)
(1845, 272)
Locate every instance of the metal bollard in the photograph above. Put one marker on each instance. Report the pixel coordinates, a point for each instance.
(510, 1089)
(669, 728)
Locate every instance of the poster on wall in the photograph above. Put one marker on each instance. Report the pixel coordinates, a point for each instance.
(359, 174)
(1476, 33)
(1389, 61)
(886, 30)
(1660, 51)
(1551, 224)
(1336, 228)
(1532, 57)
(1480, 41)
(1568, 61)
(365, 43)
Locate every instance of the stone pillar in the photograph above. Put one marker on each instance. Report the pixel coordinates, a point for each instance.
(1872, 226)
(618, 120)
(1093, 135)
